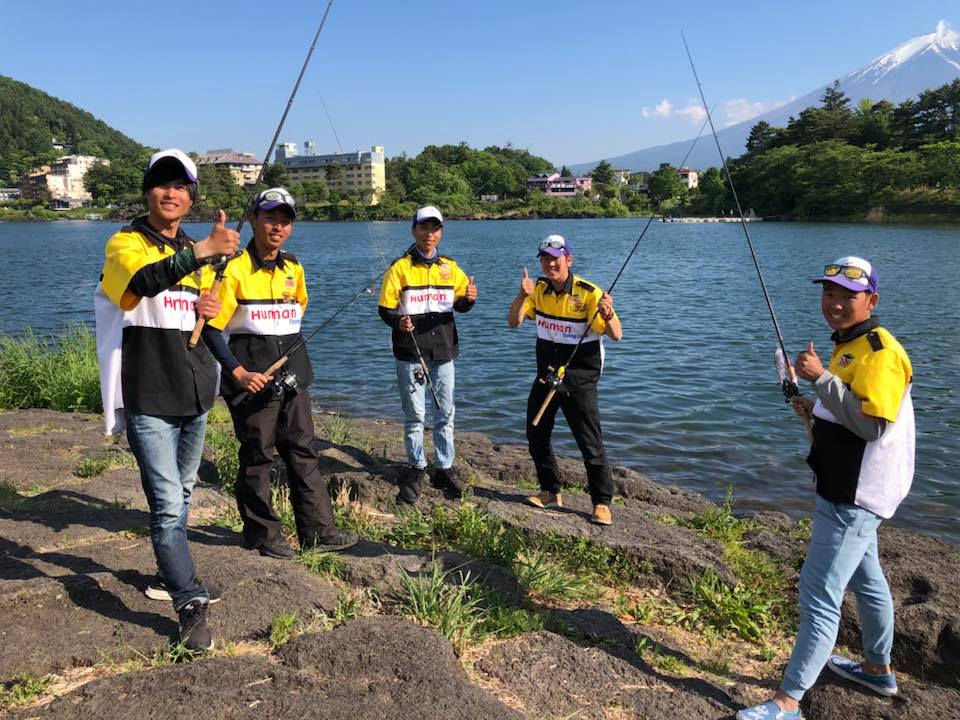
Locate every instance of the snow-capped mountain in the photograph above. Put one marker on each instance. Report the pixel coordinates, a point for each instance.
(923, 62)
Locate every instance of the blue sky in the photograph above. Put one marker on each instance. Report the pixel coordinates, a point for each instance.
(574, 81)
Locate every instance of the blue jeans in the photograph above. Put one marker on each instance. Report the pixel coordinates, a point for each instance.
(168, 451)
(842, 552)
(413, 397)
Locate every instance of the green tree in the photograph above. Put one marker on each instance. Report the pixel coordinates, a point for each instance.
(275, 175)
(761, 138)
(602, 174)
(565, 172)
(665, 184)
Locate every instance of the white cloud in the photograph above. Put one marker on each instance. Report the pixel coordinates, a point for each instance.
(740, 109)
(692, 111)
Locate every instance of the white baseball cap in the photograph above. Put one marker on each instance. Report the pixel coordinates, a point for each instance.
(170, 155)
(426, 213)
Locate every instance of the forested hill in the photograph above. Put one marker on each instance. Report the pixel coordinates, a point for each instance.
(30, 119)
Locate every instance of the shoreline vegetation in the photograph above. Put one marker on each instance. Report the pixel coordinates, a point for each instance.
(871, 162)
(693, 601)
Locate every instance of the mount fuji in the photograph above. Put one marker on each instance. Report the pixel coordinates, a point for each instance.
(923, 62)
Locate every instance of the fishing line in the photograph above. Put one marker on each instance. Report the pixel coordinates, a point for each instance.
(788, 378)
(221, 265)
(555, 377)
(736, 200)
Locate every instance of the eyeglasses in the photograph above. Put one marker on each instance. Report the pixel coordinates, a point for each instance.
(556, 244)
(849, 271)
(276, 196)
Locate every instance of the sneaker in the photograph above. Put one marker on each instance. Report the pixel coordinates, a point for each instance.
(157, 590)
(885, 685)
(768, 711)
(409, 482)
(194, 632)
(449, 479)
(601, 515)
(276, 548)
(341, 540)
(546, 500)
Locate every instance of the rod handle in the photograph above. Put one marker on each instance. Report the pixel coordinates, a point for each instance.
(543, 407)
(277, 365)
(807, 425)
(201, 321)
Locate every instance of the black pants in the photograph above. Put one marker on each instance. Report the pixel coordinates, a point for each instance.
(284, 423)
(583, 416)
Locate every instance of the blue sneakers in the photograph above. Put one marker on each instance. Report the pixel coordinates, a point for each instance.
(768, 711)
(882, 684)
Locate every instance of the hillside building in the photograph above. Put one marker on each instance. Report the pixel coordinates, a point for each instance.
(243, 166)
(557, 184)
(360, 171)
(690, 177)
(63, 179)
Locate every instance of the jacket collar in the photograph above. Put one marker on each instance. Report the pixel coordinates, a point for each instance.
(567, 286)
(142, 225)
(871, 323)
(417, 258)
(261, 264)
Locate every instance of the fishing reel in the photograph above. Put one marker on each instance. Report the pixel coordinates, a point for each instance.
(554, 377)
(282, 382)
(419, 376)
(790, 389)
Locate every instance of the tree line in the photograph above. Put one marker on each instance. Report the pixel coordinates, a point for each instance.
(841, 160)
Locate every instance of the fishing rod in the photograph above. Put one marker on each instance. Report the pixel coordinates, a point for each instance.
(788, 382)
(221, 266)
(423, 374)
(555, 377)
(283, 359)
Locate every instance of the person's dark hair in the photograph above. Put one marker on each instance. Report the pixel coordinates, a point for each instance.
(163, 172)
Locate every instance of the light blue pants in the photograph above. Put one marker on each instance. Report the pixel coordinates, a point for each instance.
(842, 552)
(414, 398)
(168, 452)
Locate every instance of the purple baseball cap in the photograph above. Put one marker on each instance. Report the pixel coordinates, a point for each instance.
(274, 198)
(554, 245)
(852, 273)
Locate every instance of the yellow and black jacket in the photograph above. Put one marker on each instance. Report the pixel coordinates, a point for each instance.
(561, 318)
(262, 307)
(876, 473)
(428, 290)
(146, 310)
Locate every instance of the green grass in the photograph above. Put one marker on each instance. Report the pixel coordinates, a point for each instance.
(219, 414)
(283, 627)
(447, 607)
(23, 689)
(59, 374)
(9, 495)
(95, 465)
(356, 605)
(323, 564)
(224, 447)
(542, 577)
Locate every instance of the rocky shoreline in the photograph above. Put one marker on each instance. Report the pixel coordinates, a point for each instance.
(578, 621)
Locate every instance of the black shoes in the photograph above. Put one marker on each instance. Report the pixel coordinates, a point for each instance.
(449, 479)
(341, 540)
(277, 548)
(409, 482)
(194, 632)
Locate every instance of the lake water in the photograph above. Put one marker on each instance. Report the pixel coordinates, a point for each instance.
(690, 396)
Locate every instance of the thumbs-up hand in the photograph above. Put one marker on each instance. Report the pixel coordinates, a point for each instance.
(527, 285)
(221, 241)
(471, 290)
(808, 364)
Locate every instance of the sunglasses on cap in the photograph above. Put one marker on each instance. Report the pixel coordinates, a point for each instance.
(848, 271)
(551, 243)
(280, 196)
